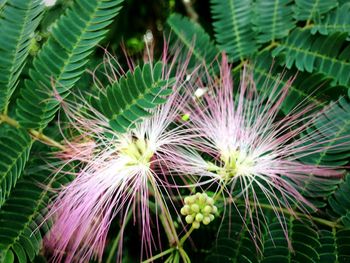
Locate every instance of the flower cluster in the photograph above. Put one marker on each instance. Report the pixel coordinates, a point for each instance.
(228, 139)
(199, 208)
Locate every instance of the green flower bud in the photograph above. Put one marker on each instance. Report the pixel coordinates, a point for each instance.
(199, 208)
(202, 198)
(196, 225)
(195, 208)
(188, 200)
(189, 219)
(206, 220)
(210, 201)
(199, 217)
(185, 210)
(207, 209)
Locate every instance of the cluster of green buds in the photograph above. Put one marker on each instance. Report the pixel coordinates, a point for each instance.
(199, 208)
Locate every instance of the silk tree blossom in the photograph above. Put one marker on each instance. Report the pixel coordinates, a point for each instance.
(120, 173)
(251, 147)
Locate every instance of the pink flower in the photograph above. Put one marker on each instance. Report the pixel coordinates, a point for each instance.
(252, 148)
(121, 173)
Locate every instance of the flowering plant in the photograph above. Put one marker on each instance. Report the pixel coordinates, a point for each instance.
(190, 151)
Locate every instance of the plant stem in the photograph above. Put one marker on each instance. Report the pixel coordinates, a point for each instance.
(190, 10)
(34, 133)
(169, 250)
(308, 26)
(165, 217)
(184, 255)
(270, 46)
(238, 67)
(6, 119)
(42, 137)
(116, 241)
(183, 239)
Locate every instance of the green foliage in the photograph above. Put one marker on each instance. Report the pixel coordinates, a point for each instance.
(304, 88)
(312, 9)
(233, 27)
(340, 202)
(303, 238)
(298, 241)
(335, 246)
(15, 146)
(337, 115)
(126, 101)
(333, 126)
(234, 242)
(338, 20)
(310, 38)
(194, 39)
(21, 216)
(18, 21)
(328, 55)
(61, 61)
(273, 19)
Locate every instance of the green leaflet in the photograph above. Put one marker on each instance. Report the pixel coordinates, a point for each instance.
(125, 102)
(337, 20)
(37, 106)
(311, 9)
(195, 40)
(62, 60)
(19, 19)
(15, 146)
(327, 55)
(2, 3)
(303, 238)
(340, 202)
(335, 246)
(20, 216)
(273, 19)
(233, 27)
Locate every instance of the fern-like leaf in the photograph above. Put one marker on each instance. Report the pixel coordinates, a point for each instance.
(126, 101)
(340, 202)
(233, 27)
(195, 40)
(2, 4)
(62, 59)
(15, 146)
(19, 19)
(337, 20)
(234, 242)
(303, 238)
(339, 115)
(303, 88)
(328, 55)
(335, 246)
(20, 238)
(312, 9)
(273, 20)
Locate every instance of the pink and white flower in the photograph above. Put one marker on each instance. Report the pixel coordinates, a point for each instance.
(121, 173)
(250, 146)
